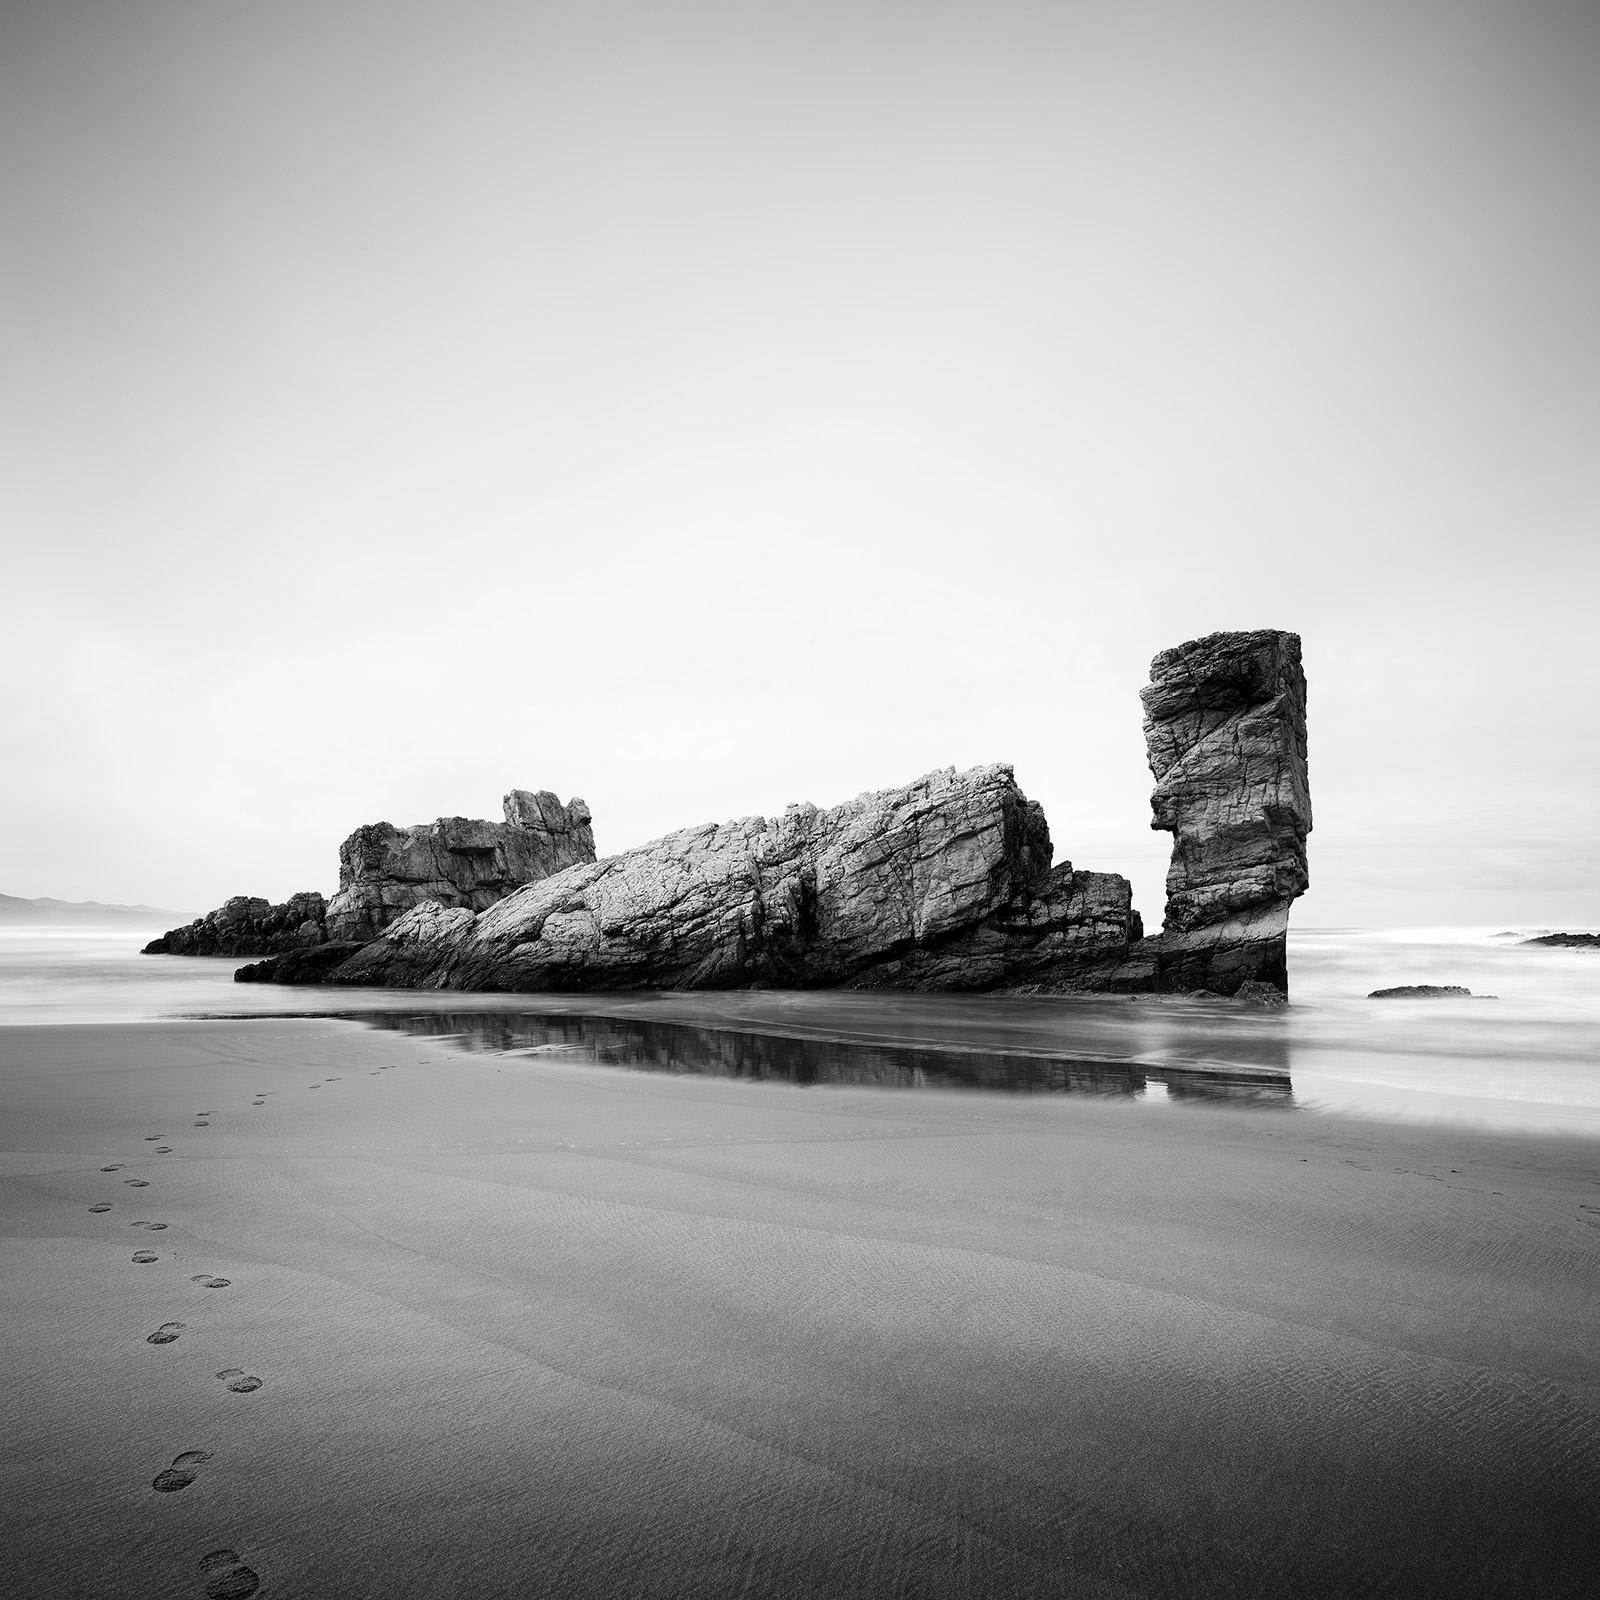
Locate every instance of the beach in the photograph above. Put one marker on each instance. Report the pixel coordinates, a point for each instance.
(528, 1324)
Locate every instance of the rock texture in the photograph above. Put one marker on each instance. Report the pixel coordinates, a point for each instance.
(946, 883)
(943, 884)
(248, 926)
(385, 870)
(1425, 991)
(1225, 728)
(1566, 941)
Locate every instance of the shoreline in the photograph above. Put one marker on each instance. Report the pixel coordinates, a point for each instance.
(530, 1323)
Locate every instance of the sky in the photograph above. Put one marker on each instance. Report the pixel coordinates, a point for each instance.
(700, 407)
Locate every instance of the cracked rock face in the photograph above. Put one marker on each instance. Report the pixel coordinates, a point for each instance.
(1225, 727)
(384, 871)
(943, 884)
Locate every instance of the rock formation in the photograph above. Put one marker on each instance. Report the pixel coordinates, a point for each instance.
(248, 926)
(1566, 941)
(943, 884)
(385, 870)
(1225, 729)
(946, 883)
(1426, 991)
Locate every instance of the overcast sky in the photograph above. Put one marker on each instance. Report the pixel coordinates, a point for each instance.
(699, 407)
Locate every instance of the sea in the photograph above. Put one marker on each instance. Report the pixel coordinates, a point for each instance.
(1523, 1052)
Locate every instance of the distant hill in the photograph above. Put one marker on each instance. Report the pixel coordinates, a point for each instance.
(18, 913)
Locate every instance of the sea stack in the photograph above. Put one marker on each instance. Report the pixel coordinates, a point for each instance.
(1225, 729)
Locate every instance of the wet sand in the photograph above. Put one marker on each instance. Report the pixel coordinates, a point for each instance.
(527, 1326)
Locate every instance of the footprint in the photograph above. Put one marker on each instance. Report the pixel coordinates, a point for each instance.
(154, 1227)
(202, 1124)
(227, 1577)
(313, 1086)
(166, 1333)
(181, 1473)
(101, 1205)
(111, 1169)
(145, 1257)
(152, 1138)
(239, 1381)
(330, 1080)
(210, 1282)
(136, 1183)
(163, 1149)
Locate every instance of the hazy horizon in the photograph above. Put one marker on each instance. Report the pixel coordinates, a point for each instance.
(698, 408)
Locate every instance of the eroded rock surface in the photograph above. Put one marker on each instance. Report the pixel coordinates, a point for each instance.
(943, 884)
(384, 871)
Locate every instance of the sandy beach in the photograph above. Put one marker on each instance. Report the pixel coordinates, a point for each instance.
(524, 1325)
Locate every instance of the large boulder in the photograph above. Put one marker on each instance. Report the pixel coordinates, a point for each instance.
(945, 883)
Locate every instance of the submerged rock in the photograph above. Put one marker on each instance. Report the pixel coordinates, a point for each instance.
(1566, 941)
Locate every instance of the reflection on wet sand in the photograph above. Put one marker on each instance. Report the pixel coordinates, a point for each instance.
(687, 1049)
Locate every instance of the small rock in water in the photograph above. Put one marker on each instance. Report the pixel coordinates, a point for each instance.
(1426, 991)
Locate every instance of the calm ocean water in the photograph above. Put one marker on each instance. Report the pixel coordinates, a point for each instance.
(1529, 1058)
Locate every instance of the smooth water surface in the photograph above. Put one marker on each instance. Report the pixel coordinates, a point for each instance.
(1529, 1058)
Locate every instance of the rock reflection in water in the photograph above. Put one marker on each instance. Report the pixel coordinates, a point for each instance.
(683, 1048)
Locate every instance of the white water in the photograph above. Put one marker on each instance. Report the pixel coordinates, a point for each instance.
(1528, 1059)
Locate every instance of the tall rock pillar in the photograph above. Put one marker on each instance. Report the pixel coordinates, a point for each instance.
(1225, 727)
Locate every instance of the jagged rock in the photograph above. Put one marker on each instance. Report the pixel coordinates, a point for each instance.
(247, 926)
(1225, 727)
(1566, 941)
(384, 871)
(943, 884)
(1425, 991)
